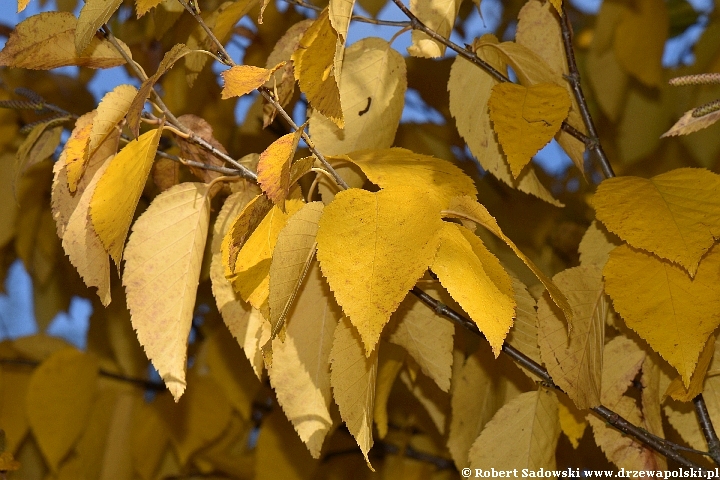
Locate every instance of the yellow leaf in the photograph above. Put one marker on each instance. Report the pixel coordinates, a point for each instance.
(273, 169)
(243, 79)
(677, 390)
(134, 110)
(470, 90)
(372, 92)
(8, 462)
(372, 248)
(688, 123)
(75, 158)
(623, 359)
(22, 4)
(40, 143)
(477, 281)
(149, 439)
(144, 6)
(640, 39)
(314, 68)
(13, 416)
(522, 434)
(236, 314)
(117, 194)
(525, 119)
(575, 360)
(572, 422)
(438, 15)
(280, 454)
(352, 378)
(399, 167)
(469, 209)
(110, 112)
(47, 40)
(558, 5)
(426, 336)
(8, 214)
(241, 228)
(435, 402)
(58, 413)
(667, 218)
(83, 246)
(596, 245)
(480, 372)
(162, 271)
(650, 381)
(294, 250)
(340, 12)
(391, 359)
(198, 419)
(250, 273)
(524, 334)
(300, 372)
(92, 16)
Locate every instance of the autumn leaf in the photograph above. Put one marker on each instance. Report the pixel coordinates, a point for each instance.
(352, 378)
(144, 6)
(439, 15)
(677, 390)
(575, 360)
(477, 281)
(110, 112)
(524, 333)
(314, 68)
(162, 271)
(572, 421)
(372, 92)
(391, 359)
(300, 373)
(525, 119)
(372, 248)
(273, 169)
(399, 167)
(596, 245)
(92, 16)
(523, 434)
(40, 143)
(667, 217)
(689, 123)
(470, 89)
(47, 40)
(469, 209)
(118, 192)
(75, 158)
(243, 79)
(58, 414)
(292, 256)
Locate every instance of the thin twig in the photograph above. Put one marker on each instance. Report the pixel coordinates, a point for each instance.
(707, 428)
(140, 382)
(658, 444)
(574, 78)
(245, 172)
(358, 18)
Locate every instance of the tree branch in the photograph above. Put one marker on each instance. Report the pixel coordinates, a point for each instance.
(707, 428)
(658, 444)
(358, 18)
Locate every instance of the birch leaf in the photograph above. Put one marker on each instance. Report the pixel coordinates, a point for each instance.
(372, 248)
(399, 167)
(235, 313)
(524, 334)
(470, 90)
(113, 204)
(40, 143)
(391, 359)
(300, 372)
(523, 434)
(75, 158)
(596, 245)
(526, 118)
(340, 12)
(250, 274)
(469, 209)
(677, 390)
(477, 281)
(243, 79)
(688, 123)
(352, 377)
(242, 227)
(294, 250)
(439, 15)
(161, 276)
(314, 68)
(572, 422)
(427, 337)
(273, 169)
(575, 360)
(623, 359)
(22, 5)
(667, 218)
(673, 313)
(110, 112)
(47, 40)
(144, 6)
(92, 16)
(58, 414)
(372, 92)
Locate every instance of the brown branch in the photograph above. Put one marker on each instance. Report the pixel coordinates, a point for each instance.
(658, 444)
(269, 96)
(358, 18)
(574, 78)
(707, 428)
